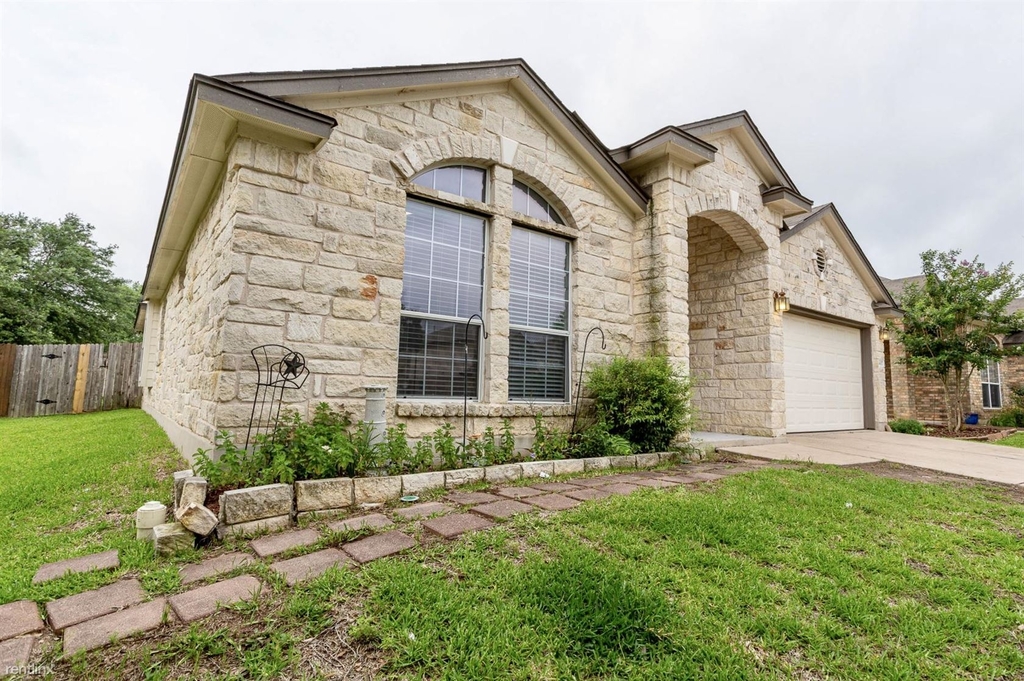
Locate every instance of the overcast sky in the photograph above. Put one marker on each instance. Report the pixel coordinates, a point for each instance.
(909, 117)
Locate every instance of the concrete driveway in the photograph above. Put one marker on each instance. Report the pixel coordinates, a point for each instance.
(984, 461)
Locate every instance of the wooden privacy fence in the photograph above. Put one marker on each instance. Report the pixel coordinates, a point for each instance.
(38, 380)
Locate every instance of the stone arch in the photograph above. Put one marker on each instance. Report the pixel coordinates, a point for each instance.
(550, 184)
(732, 214)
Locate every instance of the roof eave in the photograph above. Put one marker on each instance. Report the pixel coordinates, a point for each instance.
(786, 201)
(214, 113)
(670, 141)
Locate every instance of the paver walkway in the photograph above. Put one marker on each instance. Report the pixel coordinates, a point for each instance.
(94, 618)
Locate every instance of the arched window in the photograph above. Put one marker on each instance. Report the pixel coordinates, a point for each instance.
(532, 204)
(442, 287)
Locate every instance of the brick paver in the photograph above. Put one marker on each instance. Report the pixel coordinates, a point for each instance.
(423, 510)
(379, 546)
(64, 612)
(107, 560)
(204, 601)
(16, 652)
(295, 570)
(273, 544)
(554, 487)
(592, 482)
(707, 477)
(98, 632)
(622, 488)
(214, 567)
(553, 502)
(655, 483)
(502, 509)
(519, 492)
(588, 494)
(471, 498)
(374, 521)
(453, 525)
(678, 479)
(19, 617)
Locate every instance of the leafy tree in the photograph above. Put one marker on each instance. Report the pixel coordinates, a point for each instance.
(952, 324)
(56, 285)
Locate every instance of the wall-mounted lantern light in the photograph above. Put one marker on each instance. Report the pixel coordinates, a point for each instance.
(883, 333)
(781, 302)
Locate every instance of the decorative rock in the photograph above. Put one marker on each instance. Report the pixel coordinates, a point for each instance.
(107, 560)
(19, 617)
(280, 522)
(553, 502)
(197, 518)
(295, 570)
(588, 494)
(519, 492)
(533, 469)
(99, 632)
(568, 466)
(379, 546)
(423, 510)
(377, 489)
(279, 543)
(421, 482)
(213, 567)
(256, 503)
(172, 537)
(15, 654)
(622, 461)
(501, 509)
(193, 491)
(204, 601)
(454, 525)
(320, 495)
(506, 473)
(647, 460)
(70, 610)
(597, 463)
(374, 521)
(179, 481)
(470, 498)
(462, 476)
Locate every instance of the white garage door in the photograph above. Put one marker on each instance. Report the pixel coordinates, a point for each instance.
(824, 381)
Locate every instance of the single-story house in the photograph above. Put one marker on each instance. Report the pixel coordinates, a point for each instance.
(376, 220)
(921, 397)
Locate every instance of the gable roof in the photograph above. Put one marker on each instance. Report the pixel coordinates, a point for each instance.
(309, 85)
(883, 300)
(752, 141)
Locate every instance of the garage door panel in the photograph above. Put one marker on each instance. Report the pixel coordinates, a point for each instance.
(823, 374)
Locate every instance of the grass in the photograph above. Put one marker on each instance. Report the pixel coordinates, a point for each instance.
(1016, 440)
(70, 486)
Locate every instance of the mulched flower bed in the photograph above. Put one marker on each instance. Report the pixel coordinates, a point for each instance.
(966, 433)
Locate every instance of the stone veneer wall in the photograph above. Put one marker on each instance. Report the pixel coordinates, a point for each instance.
(839, 292)
(319, 243)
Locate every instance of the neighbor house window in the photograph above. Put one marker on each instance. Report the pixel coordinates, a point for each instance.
(991, 392)
(538, 316)
(442, 287)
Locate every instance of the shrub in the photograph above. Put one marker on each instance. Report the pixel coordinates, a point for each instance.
(1011, 417)
(643, 400)
(909, 426)
(597, 441)
(548, 443)
(1017, 395)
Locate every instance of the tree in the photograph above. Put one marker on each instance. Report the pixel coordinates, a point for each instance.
(953, 324)
(56, 285)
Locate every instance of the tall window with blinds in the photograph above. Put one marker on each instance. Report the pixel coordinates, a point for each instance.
(443, 278)
(538, 317)
(991, 387)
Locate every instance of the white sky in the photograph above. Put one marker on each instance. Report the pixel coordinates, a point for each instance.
(909, 117)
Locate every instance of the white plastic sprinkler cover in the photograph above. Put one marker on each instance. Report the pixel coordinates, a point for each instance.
(150, 514)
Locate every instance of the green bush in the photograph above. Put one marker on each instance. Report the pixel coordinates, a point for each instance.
(643, 400)
(1011, 417)
(548, 442)
(909, 426)
(597, 441)
(1017, 395)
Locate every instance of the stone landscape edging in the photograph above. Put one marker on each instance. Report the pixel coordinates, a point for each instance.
(264, 507)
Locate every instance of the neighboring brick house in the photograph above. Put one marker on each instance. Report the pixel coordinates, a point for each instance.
(364, 217)
(921, 397)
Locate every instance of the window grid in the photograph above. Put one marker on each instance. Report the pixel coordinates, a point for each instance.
(531, 204)
(991, 387)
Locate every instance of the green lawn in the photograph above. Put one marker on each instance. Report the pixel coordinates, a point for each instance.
(69, 485)
(1012, 441)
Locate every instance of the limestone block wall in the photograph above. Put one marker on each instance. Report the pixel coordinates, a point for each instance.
(318, 245)
(839, 291)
